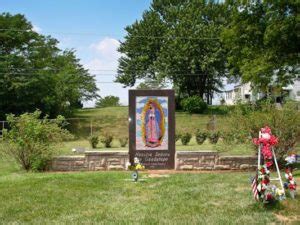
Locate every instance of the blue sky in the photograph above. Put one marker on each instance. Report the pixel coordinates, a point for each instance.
(92, 27)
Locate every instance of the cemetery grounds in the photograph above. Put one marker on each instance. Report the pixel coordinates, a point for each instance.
(158, 198)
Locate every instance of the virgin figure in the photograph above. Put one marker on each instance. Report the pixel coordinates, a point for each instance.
(152, 126)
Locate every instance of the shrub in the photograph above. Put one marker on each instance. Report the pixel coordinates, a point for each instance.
(213, 137)
(107, 140)
(228, 137)
(193, 104)
(94, 141)
(108, 101)
(177, 137)
(219, 109)
(185, 138)
(200, 137)
(31, 140)
(123, 141)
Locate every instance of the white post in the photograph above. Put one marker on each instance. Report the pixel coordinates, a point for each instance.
(278, 171)
(91, 127)
(259, 152)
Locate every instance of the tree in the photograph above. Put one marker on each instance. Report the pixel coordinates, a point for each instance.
(176, 40)
(34, 73)
(262, 40)
(151, 84)
(108, 101)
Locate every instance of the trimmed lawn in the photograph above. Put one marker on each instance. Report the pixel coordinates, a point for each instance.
(112, 198)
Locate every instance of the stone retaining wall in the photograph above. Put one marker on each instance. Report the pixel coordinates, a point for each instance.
(213, 161)
(193, 160)
(91, 161)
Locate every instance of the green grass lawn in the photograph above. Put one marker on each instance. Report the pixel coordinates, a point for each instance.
(112, 198)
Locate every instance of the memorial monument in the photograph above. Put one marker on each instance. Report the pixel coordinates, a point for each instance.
(152, 128)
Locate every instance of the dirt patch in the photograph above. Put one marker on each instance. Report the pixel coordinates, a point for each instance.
(155, 175)
(288, 219)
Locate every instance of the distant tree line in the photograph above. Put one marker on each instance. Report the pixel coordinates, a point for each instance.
(36, 74)
(196, 44)
(108, 101)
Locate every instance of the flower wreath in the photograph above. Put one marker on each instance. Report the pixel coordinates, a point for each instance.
(267, 192)
(267, 140)
(290, 181)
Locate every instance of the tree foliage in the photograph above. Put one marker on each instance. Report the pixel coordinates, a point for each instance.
(193, 104)
(35, 73)
(108, 101)
(262, 40)
(149, 84)
(176, 40)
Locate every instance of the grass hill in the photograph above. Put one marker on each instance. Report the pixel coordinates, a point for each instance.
(114, 120)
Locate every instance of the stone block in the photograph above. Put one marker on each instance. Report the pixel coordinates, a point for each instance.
(208, 167)
(79, 163)
(222, 167)
(62, 163)
(186, 167)
(209, 157)
(113, 160)
(199, 168)
(244, 166)
(97, 168)
(191, 159)
(115, 167)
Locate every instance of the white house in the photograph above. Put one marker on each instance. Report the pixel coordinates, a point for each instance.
(244, 93)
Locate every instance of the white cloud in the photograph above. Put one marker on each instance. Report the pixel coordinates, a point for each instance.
(104, 63)
(36, 28)
(107, 48)
(101, 64)
(105, 55)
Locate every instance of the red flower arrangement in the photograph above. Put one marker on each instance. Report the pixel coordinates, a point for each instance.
(267, 193)
(290, 182)
(267, 140)
(263, 188)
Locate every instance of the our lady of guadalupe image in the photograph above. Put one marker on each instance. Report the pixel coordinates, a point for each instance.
(152, 129)
(151, 124)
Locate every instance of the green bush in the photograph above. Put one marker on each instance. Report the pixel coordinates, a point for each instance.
(108, 101)
(31, 140)
(177, 136)
(193, 104)
(123, 141)
(185, 138)
(107, 140)
(39, 163)
(228, 137)
(213, 137)
(94, 141)
(200, 137)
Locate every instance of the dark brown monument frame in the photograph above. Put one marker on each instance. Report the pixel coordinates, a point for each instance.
(170, 152)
